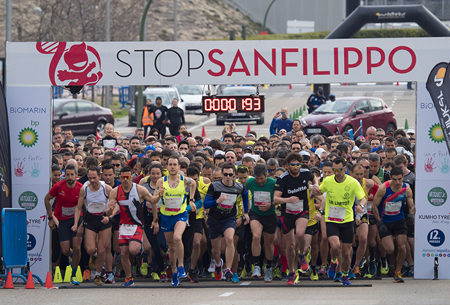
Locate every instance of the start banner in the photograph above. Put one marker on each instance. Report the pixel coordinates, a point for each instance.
(223, 62)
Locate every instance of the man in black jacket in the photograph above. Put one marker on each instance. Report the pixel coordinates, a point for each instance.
(159, 113)
(175, 118)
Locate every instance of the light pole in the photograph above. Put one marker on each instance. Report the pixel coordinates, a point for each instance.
(267, 12)
(108, 20)
(140, 99)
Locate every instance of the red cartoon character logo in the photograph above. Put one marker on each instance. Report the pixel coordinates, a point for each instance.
(81, 64)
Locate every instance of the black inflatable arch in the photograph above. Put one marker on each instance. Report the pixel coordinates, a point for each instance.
(385, 14)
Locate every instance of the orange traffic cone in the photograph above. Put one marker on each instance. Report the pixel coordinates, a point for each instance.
(290, 86)
(30, 284)
(203, 132)
(248, 128)
(9, 282)
(48, 281)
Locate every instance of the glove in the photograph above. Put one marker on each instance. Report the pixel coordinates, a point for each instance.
(382, 228)
(410, 219)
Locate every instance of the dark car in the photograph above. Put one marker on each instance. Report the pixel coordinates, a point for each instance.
(221, 118)
(80, 116)
(346, 113)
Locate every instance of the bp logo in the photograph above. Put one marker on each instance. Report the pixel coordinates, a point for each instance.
(437, 196)
(436, 134)
(28, 137)
(28, 200)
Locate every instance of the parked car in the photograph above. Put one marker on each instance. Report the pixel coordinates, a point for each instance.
(221, 118)
(167, 95)
(346, 113)
(192, 96)
(80, 116)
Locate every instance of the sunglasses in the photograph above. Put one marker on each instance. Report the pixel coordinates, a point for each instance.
(354, 158)
(338, 170)
(366, 167)
(295, 164)
(116, 165)
(380, 135)
(277, 176)
(242, 167)
(228, 175)
(270, 170)
(125, 177)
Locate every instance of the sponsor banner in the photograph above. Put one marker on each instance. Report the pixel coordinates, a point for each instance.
(223, 62)
(432, 155)
(432, 226)
(30, 117)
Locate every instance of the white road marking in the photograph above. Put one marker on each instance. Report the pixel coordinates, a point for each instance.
(246, 283)
(203, 123)
(226, 294)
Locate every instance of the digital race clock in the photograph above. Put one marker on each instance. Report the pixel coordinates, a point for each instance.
(232, 104)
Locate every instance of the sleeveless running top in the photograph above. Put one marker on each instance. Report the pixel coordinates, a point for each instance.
(390, 208)
(95, 202)
(173, 199)
(130, 206)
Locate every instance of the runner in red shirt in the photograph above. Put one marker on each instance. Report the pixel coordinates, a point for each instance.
(66, 193)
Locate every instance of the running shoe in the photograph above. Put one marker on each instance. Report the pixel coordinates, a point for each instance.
(92, 262)
(277, 273)
(155, 276)
(398, 277)
(144, 269)
(212, 265)
(175, 279)
(86, 275)
(345, 281)
(167, 258)
(337, 278)
(322, 271)
(391, 272)
(181, 272)
(372, 267)
(332, 269)
(163, 277)
(235, 278)
(243, 274)
(205, 273)
(303, 264)
(356, 271)
(285, 276)
(134, 270)
(218, 271)
(98, 280)
(192, 275)
(292, 278)
(314, 276)
(409, 272)
(256, 272)
(268, 275)
(351, 275)
(129, 281)
(228, 275)
(297, 275)
(110, 279)
(73, 281)
(384, 269)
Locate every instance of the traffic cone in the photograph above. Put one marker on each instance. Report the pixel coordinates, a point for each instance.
(48, 281)
(301, 112)
(312, 87)
(406, 124)
(266, 86)
(290, 86)
(397, 84)
(290, 116)
(68, 274)
(304, 108)
(58, 277)
(345, 84)
(248, 128)
(203, 132)
(30, 284)
(9, 283)
(78, 275)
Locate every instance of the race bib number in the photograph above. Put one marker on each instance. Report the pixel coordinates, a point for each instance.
(261, 197)
(96, 208)
(109, 144)
(336, 214)
(68, 212)
(294, 208)
(229, 202)
(172, 204)
(392, 208)
(127, 231)
(159, 204)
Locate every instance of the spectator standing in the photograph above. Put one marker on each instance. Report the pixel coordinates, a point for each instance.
(315, 100)
(159, 112)
(175, 118)
(147, 117)
(281, 123)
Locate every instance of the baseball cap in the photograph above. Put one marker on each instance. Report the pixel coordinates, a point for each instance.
(247, 147)
(346, 134)
(219, 152)
(319, 152)
(150, 147)
(410, 131)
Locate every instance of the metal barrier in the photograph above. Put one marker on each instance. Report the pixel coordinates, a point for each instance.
(14, 243)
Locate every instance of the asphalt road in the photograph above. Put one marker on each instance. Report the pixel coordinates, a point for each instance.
(323, 292)
(401, 100)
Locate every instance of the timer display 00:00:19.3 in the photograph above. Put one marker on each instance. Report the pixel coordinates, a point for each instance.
(225, 104)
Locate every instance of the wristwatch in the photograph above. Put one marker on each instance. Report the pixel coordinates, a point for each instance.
(50, 218)
(155, 219)
(192, 199)
(322, 212)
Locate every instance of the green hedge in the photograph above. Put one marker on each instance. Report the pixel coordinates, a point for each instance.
(383, 33)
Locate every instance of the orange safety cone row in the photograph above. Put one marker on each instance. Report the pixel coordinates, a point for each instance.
(48, 281)
(30, 284)
(9, 282)
(248, 128)
(203, 132)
